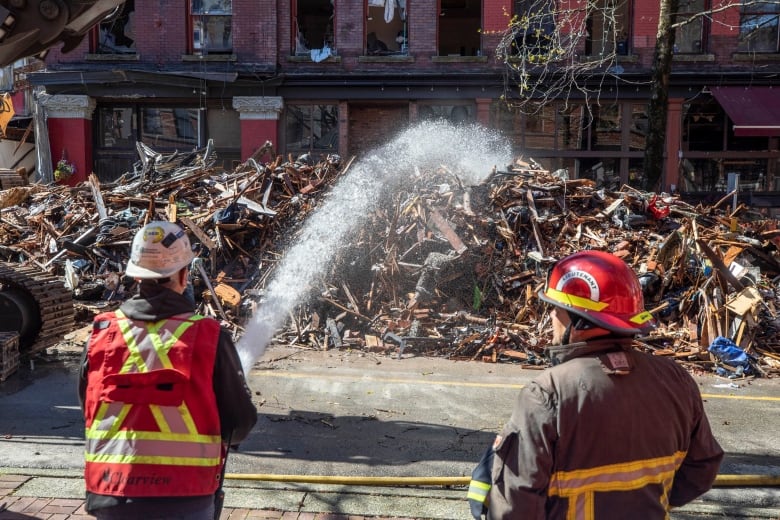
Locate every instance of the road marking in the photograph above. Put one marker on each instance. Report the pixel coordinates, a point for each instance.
(301, 375)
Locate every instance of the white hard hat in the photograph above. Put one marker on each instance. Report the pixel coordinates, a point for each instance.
(159, 250)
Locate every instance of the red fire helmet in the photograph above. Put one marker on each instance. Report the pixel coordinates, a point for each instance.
(600, 288)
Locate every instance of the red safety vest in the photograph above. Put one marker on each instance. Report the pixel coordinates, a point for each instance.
(152, 426)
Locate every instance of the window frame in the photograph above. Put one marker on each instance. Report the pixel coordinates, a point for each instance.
(298, 37)
(452, 7)
(96, 38)
(198, 47)
(622, 41)
(395, 44)
(703, 32)
(755, 12)
(332, 129)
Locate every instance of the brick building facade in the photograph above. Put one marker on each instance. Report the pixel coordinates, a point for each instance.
(339, 76)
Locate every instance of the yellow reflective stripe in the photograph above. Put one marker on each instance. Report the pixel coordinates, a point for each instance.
(642, 317)
(167, 461)
(186, 416)
(478, 491)
(579, 486)
(153, 336)
(576, 301)
(99, 423)
(159, 418)
(619, 476)
(135, 359)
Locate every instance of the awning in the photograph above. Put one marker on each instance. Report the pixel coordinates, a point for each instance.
(755, 111)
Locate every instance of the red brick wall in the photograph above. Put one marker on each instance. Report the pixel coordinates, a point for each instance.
(161, 30)
(262, 31)
(423, 26)
(369, 125)
(725, 23)
(255, 31)
(645, 26)
(497, 14)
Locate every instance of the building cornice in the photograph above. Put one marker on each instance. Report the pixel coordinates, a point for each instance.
(68, 106)
(258, 107)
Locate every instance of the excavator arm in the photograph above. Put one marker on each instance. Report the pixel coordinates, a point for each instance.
(31, 27)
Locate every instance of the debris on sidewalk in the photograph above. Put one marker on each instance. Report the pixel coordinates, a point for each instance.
(440, 268)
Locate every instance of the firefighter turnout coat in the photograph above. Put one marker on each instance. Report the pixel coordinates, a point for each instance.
(607, 433)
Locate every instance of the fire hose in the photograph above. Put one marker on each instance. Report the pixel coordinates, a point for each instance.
(720, 481)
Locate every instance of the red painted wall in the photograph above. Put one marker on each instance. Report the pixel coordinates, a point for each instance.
(255, 132)
(74, 137)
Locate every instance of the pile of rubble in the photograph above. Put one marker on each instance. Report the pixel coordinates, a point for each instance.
(442, 268)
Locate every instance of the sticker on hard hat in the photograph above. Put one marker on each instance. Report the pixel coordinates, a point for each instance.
(595, 292)
(155, 234)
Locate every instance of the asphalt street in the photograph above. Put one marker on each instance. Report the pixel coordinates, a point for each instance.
(351, 414)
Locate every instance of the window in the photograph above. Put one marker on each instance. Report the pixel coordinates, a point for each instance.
(116, 127)
(311, 129)
(116, 35)
(455, 114)
(386, 28)
(689, 38)
(758, 27)
(536, 25)
(460, 23)
(167, 128)
(607, 28)
(211, 26)
(313, 26)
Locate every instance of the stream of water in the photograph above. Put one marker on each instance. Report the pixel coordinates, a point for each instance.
(470, 151)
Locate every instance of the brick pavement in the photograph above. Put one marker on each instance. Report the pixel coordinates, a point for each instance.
(28, 508)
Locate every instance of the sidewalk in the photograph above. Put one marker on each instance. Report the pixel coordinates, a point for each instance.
(56, 495)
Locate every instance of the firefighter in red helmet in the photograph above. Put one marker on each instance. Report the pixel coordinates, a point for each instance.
(607, 432)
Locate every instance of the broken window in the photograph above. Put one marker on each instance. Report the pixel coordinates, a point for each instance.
(116, 35)
(313, 27)
(211, 26)
(689, 38)
(386, 28)
(311, 129)
(460, 25)
(758, 27)
(607, 28)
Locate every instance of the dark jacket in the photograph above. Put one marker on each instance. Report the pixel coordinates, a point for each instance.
(237, 413)
(608, 430)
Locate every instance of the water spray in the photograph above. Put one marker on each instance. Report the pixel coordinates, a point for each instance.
(470, 150)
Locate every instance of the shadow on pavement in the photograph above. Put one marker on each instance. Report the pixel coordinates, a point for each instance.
(313, 436)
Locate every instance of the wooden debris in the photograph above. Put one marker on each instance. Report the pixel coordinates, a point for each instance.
(447, 272)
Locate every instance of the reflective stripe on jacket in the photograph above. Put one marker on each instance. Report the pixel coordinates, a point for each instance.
(152, 426)
(479, 485)
(608, 433)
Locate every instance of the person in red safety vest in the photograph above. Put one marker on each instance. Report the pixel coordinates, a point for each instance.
(162, 391)
(608, 432)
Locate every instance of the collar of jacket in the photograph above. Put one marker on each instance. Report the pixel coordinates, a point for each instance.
(562, 353)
